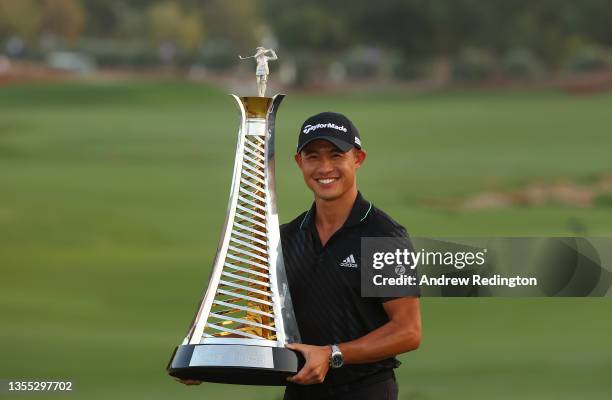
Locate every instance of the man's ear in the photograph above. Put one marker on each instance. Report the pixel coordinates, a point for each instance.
(360, 156)
(298, 159)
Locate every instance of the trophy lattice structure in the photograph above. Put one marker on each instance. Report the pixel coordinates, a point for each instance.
(246, 317)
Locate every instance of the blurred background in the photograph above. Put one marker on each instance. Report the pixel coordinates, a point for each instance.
(416, 43)
(117, 140)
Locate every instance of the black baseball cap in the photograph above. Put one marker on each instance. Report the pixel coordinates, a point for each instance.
(333, 127)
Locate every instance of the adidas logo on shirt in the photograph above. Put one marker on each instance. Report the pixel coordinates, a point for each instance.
(349, 262)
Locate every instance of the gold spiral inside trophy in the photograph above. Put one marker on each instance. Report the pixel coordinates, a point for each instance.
(242, 305)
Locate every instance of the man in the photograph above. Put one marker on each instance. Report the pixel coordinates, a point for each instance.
(350, 342)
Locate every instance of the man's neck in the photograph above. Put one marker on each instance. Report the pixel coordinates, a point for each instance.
(331, 214)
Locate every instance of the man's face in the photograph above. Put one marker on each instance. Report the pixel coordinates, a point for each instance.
(327, 171)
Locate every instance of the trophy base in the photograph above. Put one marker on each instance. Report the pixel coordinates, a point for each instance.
(234, 363)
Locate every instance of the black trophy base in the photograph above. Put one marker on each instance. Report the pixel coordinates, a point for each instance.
(234, 363)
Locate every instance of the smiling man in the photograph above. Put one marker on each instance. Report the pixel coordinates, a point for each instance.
(349, 342)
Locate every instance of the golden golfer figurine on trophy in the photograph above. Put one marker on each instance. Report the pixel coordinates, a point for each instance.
(246, 317)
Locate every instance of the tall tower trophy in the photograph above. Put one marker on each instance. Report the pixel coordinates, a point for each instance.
(246, 317)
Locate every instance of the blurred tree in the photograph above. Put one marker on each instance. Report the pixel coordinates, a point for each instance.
(416, 32)
(237, 21)
(168, 22)
(442, 30)
(545, 27)
(115, 18)
(21, 18)
(64, 18)
(401, 24)
(102, 17)
(313, 25)
(314, 35)
(594, 20)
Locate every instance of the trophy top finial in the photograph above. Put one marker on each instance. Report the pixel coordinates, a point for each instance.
(262, 55)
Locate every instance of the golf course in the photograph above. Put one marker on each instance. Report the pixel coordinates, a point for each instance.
(113, 195)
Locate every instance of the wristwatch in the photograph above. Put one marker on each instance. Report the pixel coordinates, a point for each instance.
(336, 360)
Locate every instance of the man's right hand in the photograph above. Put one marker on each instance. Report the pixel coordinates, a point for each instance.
(188, 381)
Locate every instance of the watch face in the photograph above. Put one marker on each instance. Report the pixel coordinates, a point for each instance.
(337, 360)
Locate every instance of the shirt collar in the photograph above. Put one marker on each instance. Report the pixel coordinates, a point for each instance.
(361, 209)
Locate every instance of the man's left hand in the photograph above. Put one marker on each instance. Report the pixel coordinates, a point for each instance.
(316, 366)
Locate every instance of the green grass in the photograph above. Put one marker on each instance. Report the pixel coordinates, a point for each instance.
(112, 198)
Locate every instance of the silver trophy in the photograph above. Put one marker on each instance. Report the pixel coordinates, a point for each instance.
(246, 317)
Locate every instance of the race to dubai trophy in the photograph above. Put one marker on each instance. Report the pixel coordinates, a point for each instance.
(246, 317)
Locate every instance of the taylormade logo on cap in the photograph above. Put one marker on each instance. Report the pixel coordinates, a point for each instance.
(310, 128)
(333, 127)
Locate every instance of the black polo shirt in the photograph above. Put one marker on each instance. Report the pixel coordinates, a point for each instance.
(325, 283)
